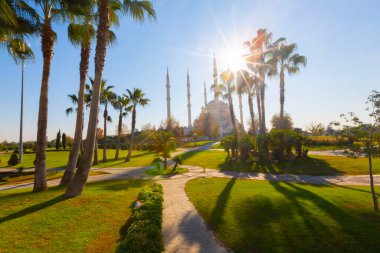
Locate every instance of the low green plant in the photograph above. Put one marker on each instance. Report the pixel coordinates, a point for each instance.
(142, 232)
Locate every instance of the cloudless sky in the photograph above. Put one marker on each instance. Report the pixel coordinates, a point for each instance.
(340, 39)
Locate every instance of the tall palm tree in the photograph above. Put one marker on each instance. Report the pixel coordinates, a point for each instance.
(106, 97)
(88, 98)
(138, 10)
(20, 51)
(122, 104)
(44, 13)
(81, 32)
(137, 98)
(259, 48)
(228, 88)
(285, 60)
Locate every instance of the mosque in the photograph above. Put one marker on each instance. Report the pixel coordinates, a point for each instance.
(218, 108)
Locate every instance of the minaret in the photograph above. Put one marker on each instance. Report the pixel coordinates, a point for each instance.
(215, 76)
(188, 101)
(205, 94)
(168, 94)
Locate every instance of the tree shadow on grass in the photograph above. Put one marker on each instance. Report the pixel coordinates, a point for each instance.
(216, 216)
(303, 221)
(307, 166)
(189, 154)
(118, 185)
(33, 209)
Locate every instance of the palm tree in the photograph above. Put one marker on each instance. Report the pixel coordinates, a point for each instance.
(137, 97)
(81, 32)
(122, 104)
(259, 48)
(104, 89)
(20, 51)
(106, 96)
(285, 59)
(245, 83)
(44, 13)
(138, 10)
(164, 144)
(228, 87)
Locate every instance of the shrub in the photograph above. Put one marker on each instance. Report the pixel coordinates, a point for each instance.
(13, 160)
(282, 142)
(246, 147)
(142, 232)
(229, 143)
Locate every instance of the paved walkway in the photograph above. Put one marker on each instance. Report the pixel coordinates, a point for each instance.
(183, 228)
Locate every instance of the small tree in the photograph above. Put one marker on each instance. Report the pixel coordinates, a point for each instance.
(64, 141)
(58, 140)
(164, 144)
(315, 128)
(13, 160)
(364, 136)
(286, 123)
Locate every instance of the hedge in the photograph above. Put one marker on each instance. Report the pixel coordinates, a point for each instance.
(142, 232)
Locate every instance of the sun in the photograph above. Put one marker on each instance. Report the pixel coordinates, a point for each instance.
(233, 59)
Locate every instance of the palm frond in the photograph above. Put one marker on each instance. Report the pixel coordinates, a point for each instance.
(19, 50)
(139, 10)
(69, 111)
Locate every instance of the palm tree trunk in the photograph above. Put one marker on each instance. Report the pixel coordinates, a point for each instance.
(251, 113)
(262, 100)
(233, 121)
(132, 141)
(47, 41)
(77, 185)
(119, 133)
(21, 148)
(96, 159)
(105, 134)
(282, 97)
(257, 89)
(77, 143)
(241, 110)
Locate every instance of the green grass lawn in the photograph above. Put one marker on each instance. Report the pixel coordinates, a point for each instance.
(315, 165)
(260, 216)
(310, 148)
(58, 159)
(46, 222)
(217, 146)
(195, 144)
(28, 176)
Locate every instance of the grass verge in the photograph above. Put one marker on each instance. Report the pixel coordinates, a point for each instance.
(314, 165)
(28, 177)
(47, 222)
(58, 159)
(260, 216)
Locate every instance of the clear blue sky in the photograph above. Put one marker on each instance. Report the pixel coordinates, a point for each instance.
(340, 39)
